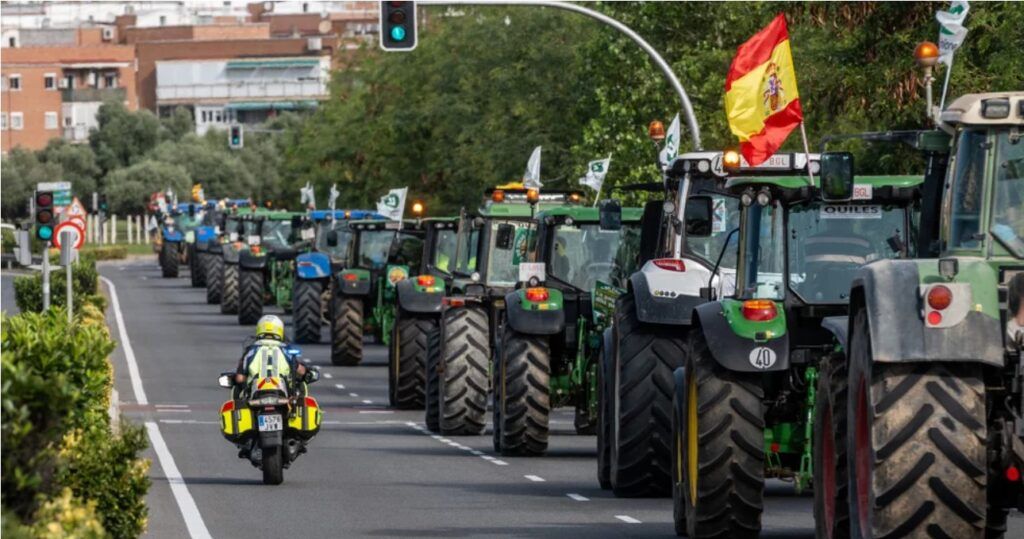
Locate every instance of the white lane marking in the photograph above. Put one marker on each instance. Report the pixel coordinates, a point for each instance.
(129, 354)
(376, 411)
(339, 386)
(577, 497)
(172, 406)
(627, 519)
(189, 511)
(188, 422)
(499, 462)
(457, 445)
(353, 394)
(535, 478)
(328, 375)
(367, 401)
(476, 453)
(173, 410)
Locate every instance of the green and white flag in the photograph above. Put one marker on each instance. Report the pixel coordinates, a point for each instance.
(596, 171)
(671, 148)
(951, 29)
(392, 205)
(531, 178)
(308, 201)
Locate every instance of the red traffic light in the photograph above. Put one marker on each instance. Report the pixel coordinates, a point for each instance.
(44, 199)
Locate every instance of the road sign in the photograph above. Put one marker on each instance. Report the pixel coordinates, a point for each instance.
(80, 221)
(75, 208)
(69, 226)
(53, 186)
(62, 198)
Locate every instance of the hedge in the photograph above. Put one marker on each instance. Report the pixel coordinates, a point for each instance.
(28, 289)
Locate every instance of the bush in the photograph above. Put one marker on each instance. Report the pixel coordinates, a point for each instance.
(107, 252)
(28, 289)
(67, 516)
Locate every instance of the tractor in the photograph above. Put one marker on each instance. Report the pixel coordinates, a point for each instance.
(490, 248)
(554, 323)
(207, 247)
(265, 261)
(746, 402)
(179, 224)
(222, 279)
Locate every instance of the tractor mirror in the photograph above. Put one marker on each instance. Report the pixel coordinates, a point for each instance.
(699, 212)
(505, 236)
(836, 176)
(610, 215)
(332, 238)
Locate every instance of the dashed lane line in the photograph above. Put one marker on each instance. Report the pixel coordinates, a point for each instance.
(353, 394)
(578, 497)
(456, 445)
(367, 401)
(339, 386)
(328, 375)
(627, 519)
(535, 478)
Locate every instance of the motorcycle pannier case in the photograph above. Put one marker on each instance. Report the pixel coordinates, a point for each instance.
(305, 419)
(235, 421)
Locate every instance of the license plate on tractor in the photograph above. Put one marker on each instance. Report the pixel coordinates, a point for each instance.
(270, 423)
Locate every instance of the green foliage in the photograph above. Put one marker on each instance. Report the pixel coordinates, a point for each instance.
(67, 516)
(77, 164)
(128, 188)
(207, 161)
(123, 137)
(178, 124)
(106, 252)
(21, 171)
(28, 289)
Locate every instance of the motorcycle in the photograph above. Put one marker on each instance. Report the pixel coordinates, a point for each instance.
(270, 421)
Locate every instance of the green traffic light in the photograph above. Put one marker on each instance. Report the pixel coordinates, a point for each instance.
(398, 33)
(44, 232)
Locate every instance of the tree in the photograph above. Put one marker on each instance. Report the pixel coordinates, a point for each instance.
(123, 137)
(77, 163)
(21, 171)
(208, 161)
(178, 124)
(128, 189)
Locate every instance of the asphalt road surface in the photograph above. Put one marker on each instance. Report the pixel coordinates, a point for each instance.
(371, 472)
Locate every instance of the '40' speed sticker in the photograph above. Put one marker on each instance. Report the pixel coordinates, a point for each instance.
(762, 357)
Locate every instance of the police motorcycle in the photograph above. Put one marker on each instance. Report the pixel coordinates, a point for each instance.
(271, 417)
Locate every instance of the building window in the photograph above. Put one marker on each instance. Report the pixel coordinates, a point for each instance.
(217, 117)
(17, 121)
(12, 41)
(50, 120)
(14, 82)
(3, 121)
(67, 121)
(163, 20)
(50, 81)
(69, 82)
(110, 80)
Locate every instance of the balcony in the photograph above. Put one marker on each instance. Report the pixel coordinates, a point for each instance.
(76, 133)
(256, 90)
(90, 95)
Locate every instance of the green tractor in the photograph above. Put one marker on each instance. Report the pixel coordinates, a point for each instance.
(746, 402)
(227, 237)
(265, 263)
(241, 232)
(490, 249)
(554, 325)
(416, 313)
(931, 388)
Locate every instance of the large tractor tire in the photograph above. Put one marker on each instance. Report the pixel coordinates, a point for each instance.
(229, 289)
(432, 392)
(720, 443)
(346, 329)
(197, 267)
(250, 296)
(169, 259)
(831, 478)
(641, 430)
(525, 394)
(465, 353)
(306, 310)
(273, 466)
(604, 421)
(916, 450)
(411, 337)
(214, 279)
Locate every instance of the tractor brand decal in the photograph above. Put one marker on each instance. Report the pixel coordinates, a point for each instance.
(604, 296)
(850, 211)
(863, 191)
(397, 273)
(762, 357)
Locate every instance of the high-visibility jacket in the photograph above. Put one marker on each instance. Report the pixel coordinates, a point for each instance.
(267, 358)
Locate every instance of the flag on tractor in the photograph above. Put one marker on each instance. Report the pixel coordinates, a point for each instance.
(531, 178)
(761, 100)
(670, 150)
(596, 171)
(392, 205)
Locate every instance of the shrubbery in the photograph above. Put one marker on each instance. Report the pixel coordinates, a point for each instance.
(106, 252)
(28, 289)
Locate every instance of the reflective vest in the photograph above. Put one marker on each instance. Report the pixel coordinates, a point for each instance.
(268, 359)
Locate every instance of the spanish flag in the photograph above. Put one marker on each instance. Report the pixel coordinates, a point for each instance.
(761, 99)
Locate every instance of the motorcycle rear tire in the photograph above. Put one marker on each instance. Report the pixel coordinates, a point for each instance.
(273, 466)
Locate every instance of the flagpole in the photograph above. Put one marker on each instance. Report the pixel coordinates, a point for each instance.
(945, 86)
(807, 153)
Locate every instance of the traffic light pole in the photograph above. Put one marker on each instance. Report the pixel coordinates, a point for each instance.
(46, 275)
(666, 69)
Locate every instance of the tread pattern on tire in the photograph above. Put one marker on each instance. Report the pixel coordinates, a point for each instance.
(641, 444)
(214, 279)
(410, 346)
(832, 383)
(928, 443)
(346, 329)
(306, 310)
(250, 296)
(465, 353)
(229, 289)
(432, 397)
(730, 460)
(197, 267)
(525, 393)
(169, 259)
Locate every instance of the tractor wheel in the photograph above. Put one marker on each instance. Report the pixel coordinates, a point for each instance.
(641, 443)
(465, 353)
(916, 450)
(346, 329)
(306, 310)
(169, 259)
(196, 267)
(604, 423)
(721, 443)
(432, 397)
(407, 356)
(831, 478)
(214, 279)
(525, 394)
(250, 296)
(229, 289)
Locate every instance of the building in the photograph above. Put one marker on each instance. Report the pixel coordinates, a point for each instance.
(52, 91)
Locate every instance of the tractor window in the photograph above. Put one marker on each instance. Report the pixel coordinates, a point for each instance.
(408, 251)
(762, 254)
(231, 226)
(1008, 211)
(968, 182)
(503, 264)
(275, 233)
(828, 243)
(444, 249)
(726, 217)
(374, 246)
(582, 255)
(186, 223)
(250, 228)
(468, 255)
(340, 251)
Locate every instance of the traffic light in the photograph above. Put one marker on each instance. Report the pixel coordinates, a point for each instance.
(103, 203)
(398, 26)
(235, 137)
(44, 215)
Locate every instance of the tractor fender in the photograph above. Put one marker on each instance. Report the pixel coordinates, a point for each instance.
(839, 326)
(250, 261)
(535, 318)
(312, 266)
(656, 306)
(205, 234)
(358, 286)
(215, 247)
(231, 255)
(891, 292)
(413, 300)
(737, 352)
(172, 235)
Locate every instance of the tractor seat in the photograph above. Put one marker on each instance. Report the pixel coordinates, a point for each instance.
(284, 253)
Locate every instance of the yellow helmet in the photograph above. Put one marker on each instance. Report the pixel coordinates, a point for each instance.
(271, 327)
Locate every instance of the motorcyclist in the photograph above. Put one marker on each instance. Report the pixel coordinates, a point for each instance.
(268, 353)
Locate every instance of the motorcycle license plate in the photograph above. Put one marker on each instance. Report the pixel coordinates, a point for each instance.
(270, 423)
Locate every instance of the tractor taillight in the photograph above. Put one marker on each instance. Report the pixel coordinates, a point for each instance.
(1012, 474)
(537, 294)
(939, 297)
(759, 310)
(350, 277)
(671, 264)
(425, 280)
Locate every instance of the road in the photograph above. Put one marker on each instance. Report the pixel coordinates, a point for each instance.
(371, 472)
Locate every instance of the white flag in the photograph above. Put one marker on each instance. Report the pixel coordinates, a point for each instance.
(333, 196)
(596, 171)
(951, 29)
(531, 178)
(671, 148)
(392, 205)
(307, 196)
